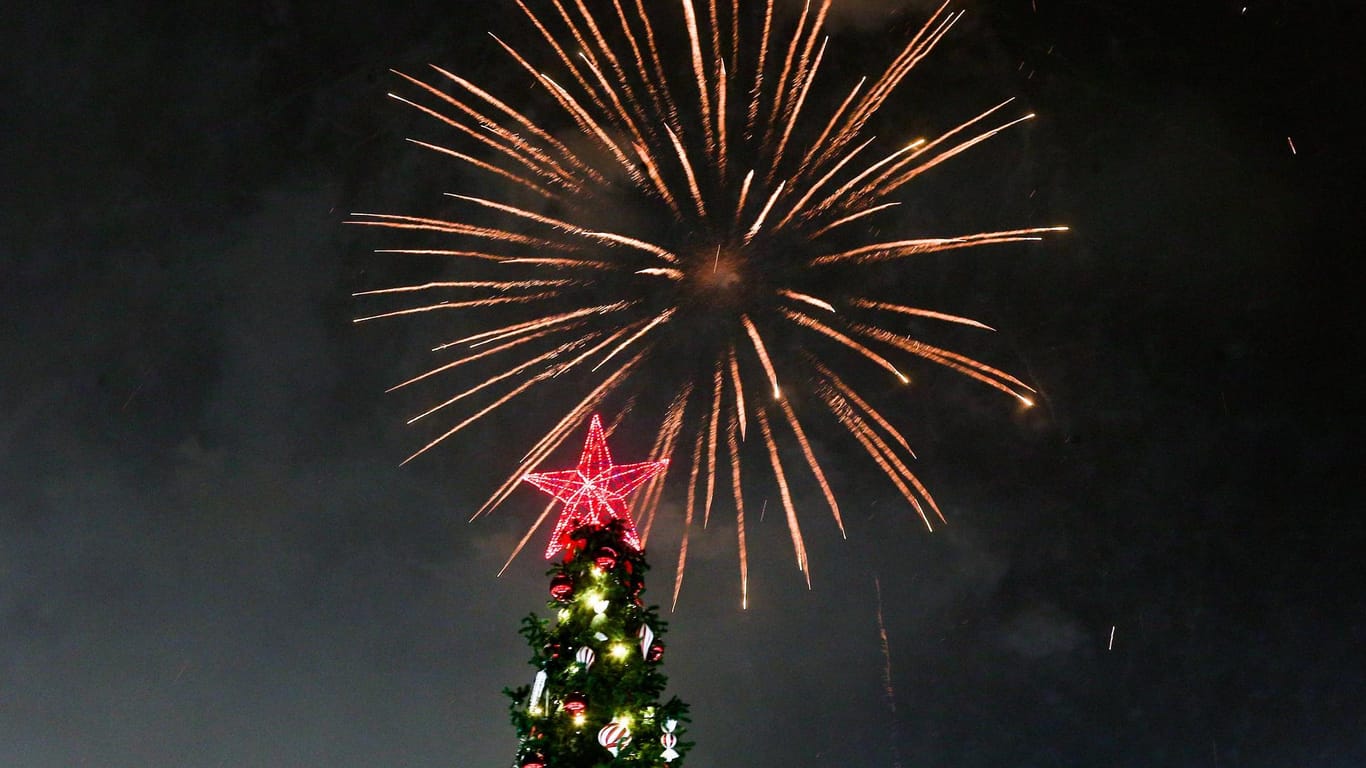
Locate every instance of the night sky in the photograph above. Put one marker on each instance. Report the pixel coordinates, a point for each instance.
(209, 555)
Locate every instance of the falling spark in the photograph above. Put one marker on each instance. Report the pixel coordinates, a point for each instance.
(615, 242)
(1111, 646)
(886, 650)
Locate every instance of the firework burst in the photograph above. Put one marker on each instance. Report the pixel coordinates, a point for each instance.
(690, 220)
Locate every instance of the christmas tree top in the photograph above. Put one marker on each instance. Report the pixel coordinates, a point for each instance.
(594, 701)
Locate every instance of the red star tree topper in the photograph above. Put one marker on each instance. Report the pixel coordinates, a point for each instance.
(595, 493)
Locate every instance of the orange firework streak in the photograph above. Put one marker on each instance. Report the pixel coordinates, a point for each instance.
(621, 233)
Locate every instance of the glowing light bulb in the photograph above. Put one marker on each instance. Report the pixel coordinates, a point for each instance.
(580, 719)
(620, 650)
(563, 614)
(600, 606)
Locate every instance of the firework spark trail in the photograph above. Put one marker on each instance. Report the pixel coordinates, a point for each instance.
(481, 255)
(870, 170)
(849, 393)
(918, 312)
(591, 126)
(992, 377)
(556, 435)
(813, 464)
(630, 35)
(805, 77)
(658, 321)
(798, 544)
(711, 446)
(805, 165)
(897, 249)
(874, 97)
(490, 167)
(760, 350)
(688, 171)
(719, 68)
(671, 106)
(806, 321)
(513, 147)
(445, 305)
(859, 430)
(723, 145)
(564, 57)
(688, 515)
(744, 196)
(517, 329)
(806, 198)
(891, 186)
(707, 254)
(527, 123)
(501, 285)
(662, 449)
(509, 144)
(505, 150)
(763, 214)
(778, 92)
(541, 358)
(471, 358)
(540, 520)
(852, 217)
(393, 221)
(610, 55)
(739, 390)
(611, 237)
(739, 511)
(624, 118)
(808, 299)
(699, 71)
(886, 650)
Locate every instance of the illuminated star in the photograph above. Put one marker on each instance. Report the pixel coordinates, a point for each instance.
(594, 494)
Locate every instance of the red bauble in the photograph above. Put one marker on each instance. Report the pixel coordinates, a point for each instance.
(533, 761)
(575, 703)
(606, 558)
(656, 653)
(562, 588)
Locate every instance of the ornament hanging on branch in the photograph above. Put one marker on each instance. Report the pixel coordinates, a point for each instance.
(647, 636)
(585, 657)
(562, 588)
(575, 703)
(669, 741)
(537, 689)
(533, 761)
(614, 736)
(606, 558)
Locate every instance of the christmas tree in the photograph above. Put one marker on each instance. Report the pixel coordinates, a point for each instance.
(595, 699)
